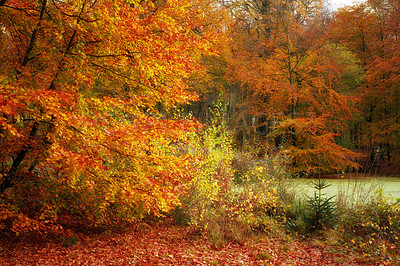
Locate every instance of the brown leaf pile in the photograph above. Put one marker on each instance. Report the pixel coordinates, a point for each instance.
(166, 244)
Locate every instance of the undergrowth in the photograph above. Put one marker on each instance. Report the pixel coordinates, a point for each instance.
(236, 194)
(232, 196)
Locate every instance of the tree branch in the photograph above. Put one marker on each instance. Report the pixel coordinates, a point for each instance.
(18, 160)
(68, 49)
(73, 16)
(34, 35)
(129, 55)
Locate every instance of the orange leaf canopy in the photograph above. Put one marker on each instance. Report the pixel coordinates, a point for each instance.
(81, 83)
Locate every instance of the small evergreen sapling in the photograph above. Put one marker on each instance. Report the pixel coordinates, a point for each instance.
(322, 211)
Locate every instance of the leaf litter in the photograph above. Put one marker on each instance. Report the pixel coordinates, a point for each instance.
(166, 244)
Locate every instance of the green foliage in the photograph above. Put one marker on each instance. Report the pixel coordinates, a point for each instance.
(372, 225)
(264, 256)
(321, 210)
(69, 240)
(216, 205)
(294, 210)
(378, 219)
(181, 216)
(317, 213)
(352, 75)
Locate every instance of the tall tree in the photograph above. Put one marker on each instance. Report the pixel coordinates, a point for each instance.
(291, 73)
(79, 86)
(371, 30)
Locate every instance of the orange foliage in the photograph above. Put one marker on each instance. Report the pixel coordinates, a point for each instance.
(291, 73)
(372, 31)
(79, 87)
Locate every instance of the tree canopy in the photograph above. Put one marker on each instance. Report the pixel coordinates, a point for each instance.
(80, 85)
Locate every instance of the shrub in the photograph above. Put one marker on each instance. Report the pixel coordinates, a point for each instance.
(378, 219)
(219, 207)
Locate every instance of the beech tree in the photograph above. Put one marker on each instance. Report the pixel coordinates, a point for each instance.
(381, 93)
(282, 58)
(79, 85)
(371, 30)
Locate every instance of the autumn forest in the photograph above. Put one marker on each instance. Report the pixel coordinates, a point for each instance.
(125, 113)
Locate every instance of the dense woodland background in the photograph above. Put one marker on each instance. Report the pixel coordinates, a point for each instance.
(321, 87)
(110, 110)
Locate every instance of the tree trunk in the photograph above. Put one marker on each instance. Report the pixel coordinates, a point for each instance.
(7, 183)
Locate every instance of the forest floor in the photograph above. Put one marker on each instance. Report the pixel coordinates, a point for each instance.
(166, 244)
